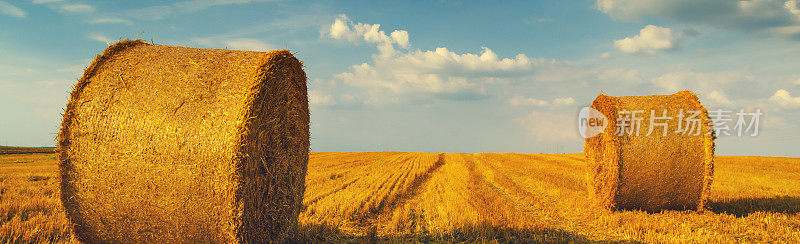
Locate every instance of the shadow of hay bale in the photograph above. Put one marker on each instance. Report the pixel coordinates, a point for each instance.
(38, 178)
(18, 162)
(321, 233)
(25, 150)
(742, 207)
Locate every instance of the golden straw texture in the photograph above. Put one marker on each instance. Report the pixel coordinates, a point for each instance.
(651, 172)
(174, 144)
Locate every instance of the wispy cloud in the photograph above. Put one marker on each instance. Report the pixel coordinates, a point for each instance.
(234, 43)
(46, 1)
(253, 38)
(75, 68)
(66, 7)
(771, 17)
(100, 38)
(678, 80)
(181, 8)
(110, 21)
(319, 98)
(537, 20)
(550, 127)
(76, 8)
(11, 10)
(279, 24)
(529, 101)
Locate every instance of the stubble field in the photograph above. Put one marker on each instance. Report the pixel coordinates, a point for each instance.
(398, 196)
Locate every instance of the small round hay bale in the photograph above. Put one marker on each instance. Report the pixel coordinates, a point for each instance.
(651, 172)
(163, 144)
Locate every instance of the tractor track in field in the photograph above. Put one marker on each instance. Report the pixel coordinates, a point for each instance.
(491, 194)
(345, 185)
(384, 212)
(331, 192)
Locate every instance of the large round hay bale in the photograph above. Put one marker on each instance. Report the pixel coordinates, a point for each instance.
(651, 172)
(163, 144)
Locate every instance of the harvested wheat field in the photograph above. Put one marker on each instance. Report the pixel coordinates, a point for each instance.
(395, 196)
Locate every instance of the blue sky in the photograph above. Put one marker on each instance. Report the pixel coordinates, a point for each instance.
(454, 76)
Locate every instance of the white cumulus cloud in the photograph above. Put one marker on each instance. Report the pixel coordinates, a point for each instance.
(345, 29)
(437, 71)
(651, 40)
(783, 98)
(440, 72)
(400, 37)
(719, 98)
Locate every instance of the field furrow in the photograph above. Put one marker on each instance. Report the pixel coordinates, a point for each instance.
(357, 203)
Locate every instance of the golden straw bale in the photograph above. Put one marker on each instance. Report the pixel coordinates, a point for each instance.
(163, 144)
(651, 172)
